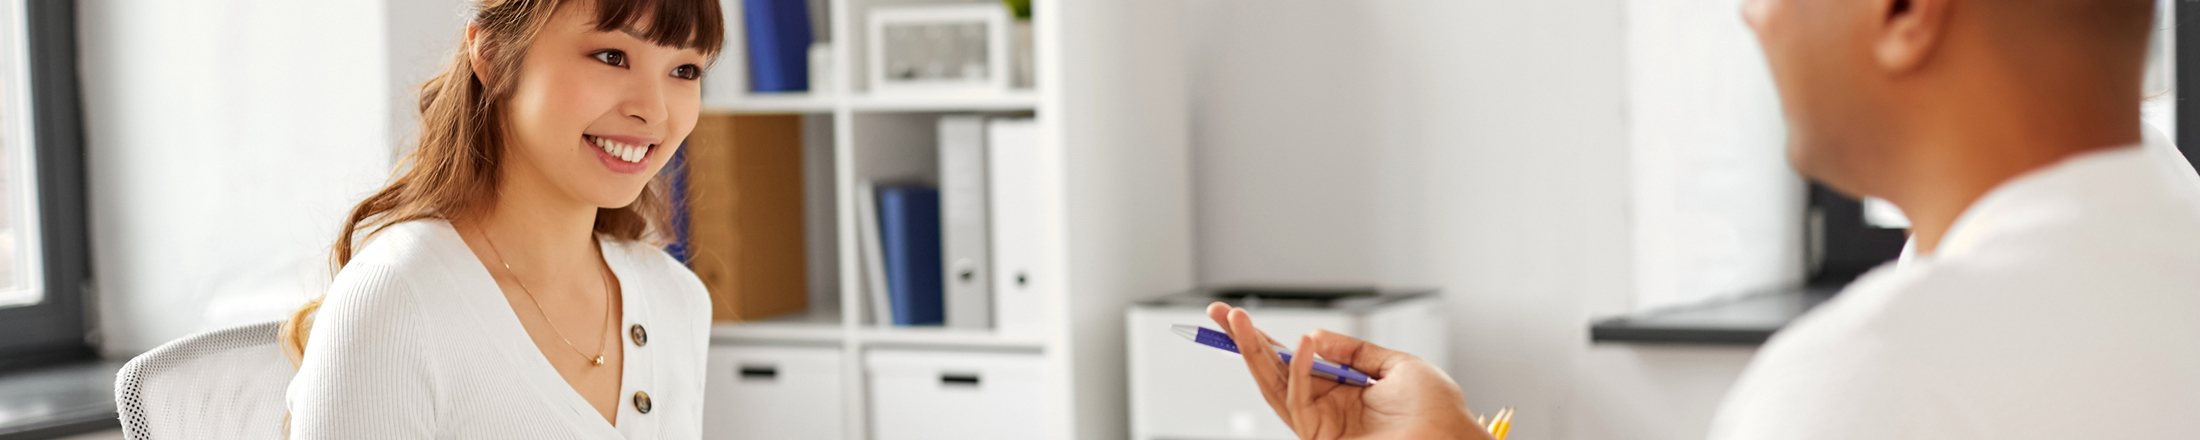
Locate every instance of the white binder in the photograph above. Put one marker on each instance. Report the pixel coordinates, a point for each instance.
(1022, 173)
(873, 257)
(963, 233)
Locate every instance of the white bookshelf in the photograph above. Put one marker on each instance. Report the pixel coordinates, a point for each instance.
(814, 328)
(945, 338)
(769, 102)
(1001, 102)
(1120, 123)
(805, 103)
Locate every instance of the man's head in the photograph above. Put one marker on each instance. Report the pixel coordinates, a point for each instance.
(1871, 87)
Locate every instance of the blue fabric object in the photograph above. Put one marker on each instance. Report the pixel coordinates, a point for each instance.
(779, 44)
(909, 226)
(676, 174)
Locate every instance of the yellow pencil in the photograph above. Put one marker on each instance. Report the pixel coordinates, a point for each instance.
(1497, 425)
(1503, 424)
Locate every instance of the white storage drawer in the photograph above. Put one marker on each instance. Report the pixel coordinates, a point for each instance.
(940, 395)
(770, 392)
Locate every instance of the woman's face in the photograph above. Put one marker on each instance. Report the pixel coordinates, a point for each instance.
(594, 114)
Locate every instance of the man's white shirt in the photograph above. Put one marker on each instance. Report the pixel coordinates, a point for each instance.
(2063, 304)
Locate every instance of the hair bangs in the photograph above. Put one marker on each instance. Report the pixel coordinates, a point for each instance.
(685, 24)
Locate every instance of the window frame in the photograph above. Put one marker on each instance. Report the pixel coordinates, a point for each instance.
(2187, 61)
(58, 328)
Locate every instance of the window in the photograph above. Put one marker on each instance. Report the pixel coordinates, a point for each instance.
(43, 258)
(2183, 66)
(2159, 88)
(19, 257)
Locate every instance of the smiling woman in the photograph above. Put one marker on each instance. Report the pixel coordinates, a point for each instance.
(513, 253)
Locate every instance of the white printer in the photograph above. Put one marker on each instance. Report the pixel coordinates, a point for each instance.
(1181, 390)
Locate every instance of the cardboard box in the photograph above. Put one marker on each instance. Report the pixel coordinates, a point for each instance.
(745, 221)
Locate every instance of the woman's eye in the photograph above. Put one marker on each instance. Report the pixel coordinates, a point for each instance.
(612, 57)
(688, 71)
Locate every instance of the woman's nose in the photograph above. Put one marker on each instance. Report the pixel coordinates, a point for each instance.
(646, 103)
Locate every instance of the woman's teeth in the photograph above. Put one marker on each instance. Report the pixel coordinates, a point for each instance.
(625, 152)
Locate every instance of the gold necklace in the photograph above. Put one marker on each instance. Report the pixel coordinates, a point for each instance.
(606, 322)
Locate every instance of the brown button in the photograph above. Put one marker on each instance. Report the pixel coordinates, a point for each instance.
(641, 402)
(641, 337)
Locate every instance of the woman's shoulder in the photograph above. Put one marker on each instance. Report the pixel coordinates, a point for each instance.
(381, 284)
(399, 253)
(407, 243)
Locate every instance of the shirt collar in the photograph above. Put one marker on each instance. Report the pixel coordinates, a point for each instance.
(2026, 198)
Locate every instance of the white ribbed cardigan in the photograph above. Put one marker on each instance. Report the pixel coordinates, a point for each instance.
(415, 341)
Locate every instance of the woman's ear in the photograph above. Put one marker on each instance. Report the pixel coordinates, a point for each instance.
(477, 52)
(1908, 31)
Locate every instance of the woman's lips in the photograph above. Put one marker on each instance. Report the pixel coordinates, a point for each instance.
(625, 150)
(620, 157)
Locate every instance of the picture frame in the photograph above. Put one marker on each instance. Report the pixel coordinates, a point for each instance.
(938, 49)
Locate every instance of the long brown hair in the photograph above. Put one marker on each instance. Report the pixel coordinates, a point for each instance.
(453, 171)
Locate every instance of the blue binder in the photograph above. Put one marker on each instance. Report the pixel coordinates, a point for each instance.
(779, 44)
(909, 229)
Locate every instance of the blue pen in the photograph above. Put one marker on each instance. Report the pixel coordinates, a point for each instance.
(1322, 369)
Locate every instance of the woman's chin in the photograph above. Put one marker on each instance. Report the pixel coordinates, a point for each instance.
(611, 199)
(616, 204)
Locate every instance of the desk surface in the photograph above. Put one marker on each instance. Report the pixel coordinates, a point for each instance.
(1746, 320)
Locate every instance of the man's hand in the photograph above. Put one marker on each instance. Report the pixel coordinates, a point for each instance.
(1410, 399)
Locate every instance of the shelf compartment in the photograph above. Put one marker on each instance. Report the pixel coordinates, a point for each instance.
(1020, 100)
(773, 103)
(799, 328)
(944, 337)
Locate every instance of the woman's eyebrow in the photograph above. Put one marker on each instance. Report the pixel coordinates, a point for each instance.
(637, 33)
(631, 31)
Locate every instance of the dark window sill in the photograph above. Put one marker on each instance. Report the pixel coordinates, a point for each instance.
(1747, 320)
(58, 400)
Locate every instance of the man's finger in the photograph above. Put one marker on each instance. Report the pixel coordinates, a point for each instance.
(1262, 361)
(1220, 313)
(1300, 388)
(1360, 355)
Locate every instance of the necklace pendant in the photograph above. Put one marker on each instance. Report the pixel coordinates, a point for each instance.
(599, 360)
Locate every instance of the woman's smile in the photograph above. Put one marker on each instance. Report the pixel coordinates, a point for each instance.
(622, 154)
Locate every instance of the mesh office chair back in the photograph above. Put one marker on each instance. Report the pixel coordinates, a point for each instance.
(221, 384)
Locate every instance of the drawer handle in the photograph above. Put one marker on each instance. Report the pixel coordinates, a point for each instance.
(964, 380)
(759, 372)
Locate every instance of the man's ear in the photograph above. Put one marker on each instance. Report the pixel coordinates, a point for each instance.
(1909, 31)
(477, 52)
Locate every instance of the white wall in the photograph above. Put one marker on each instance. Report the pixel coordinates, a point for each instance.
(1124, 110)
(1477, 145)
(1298, 158)
(225, 141)
(1716, 209)
(423, 37)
